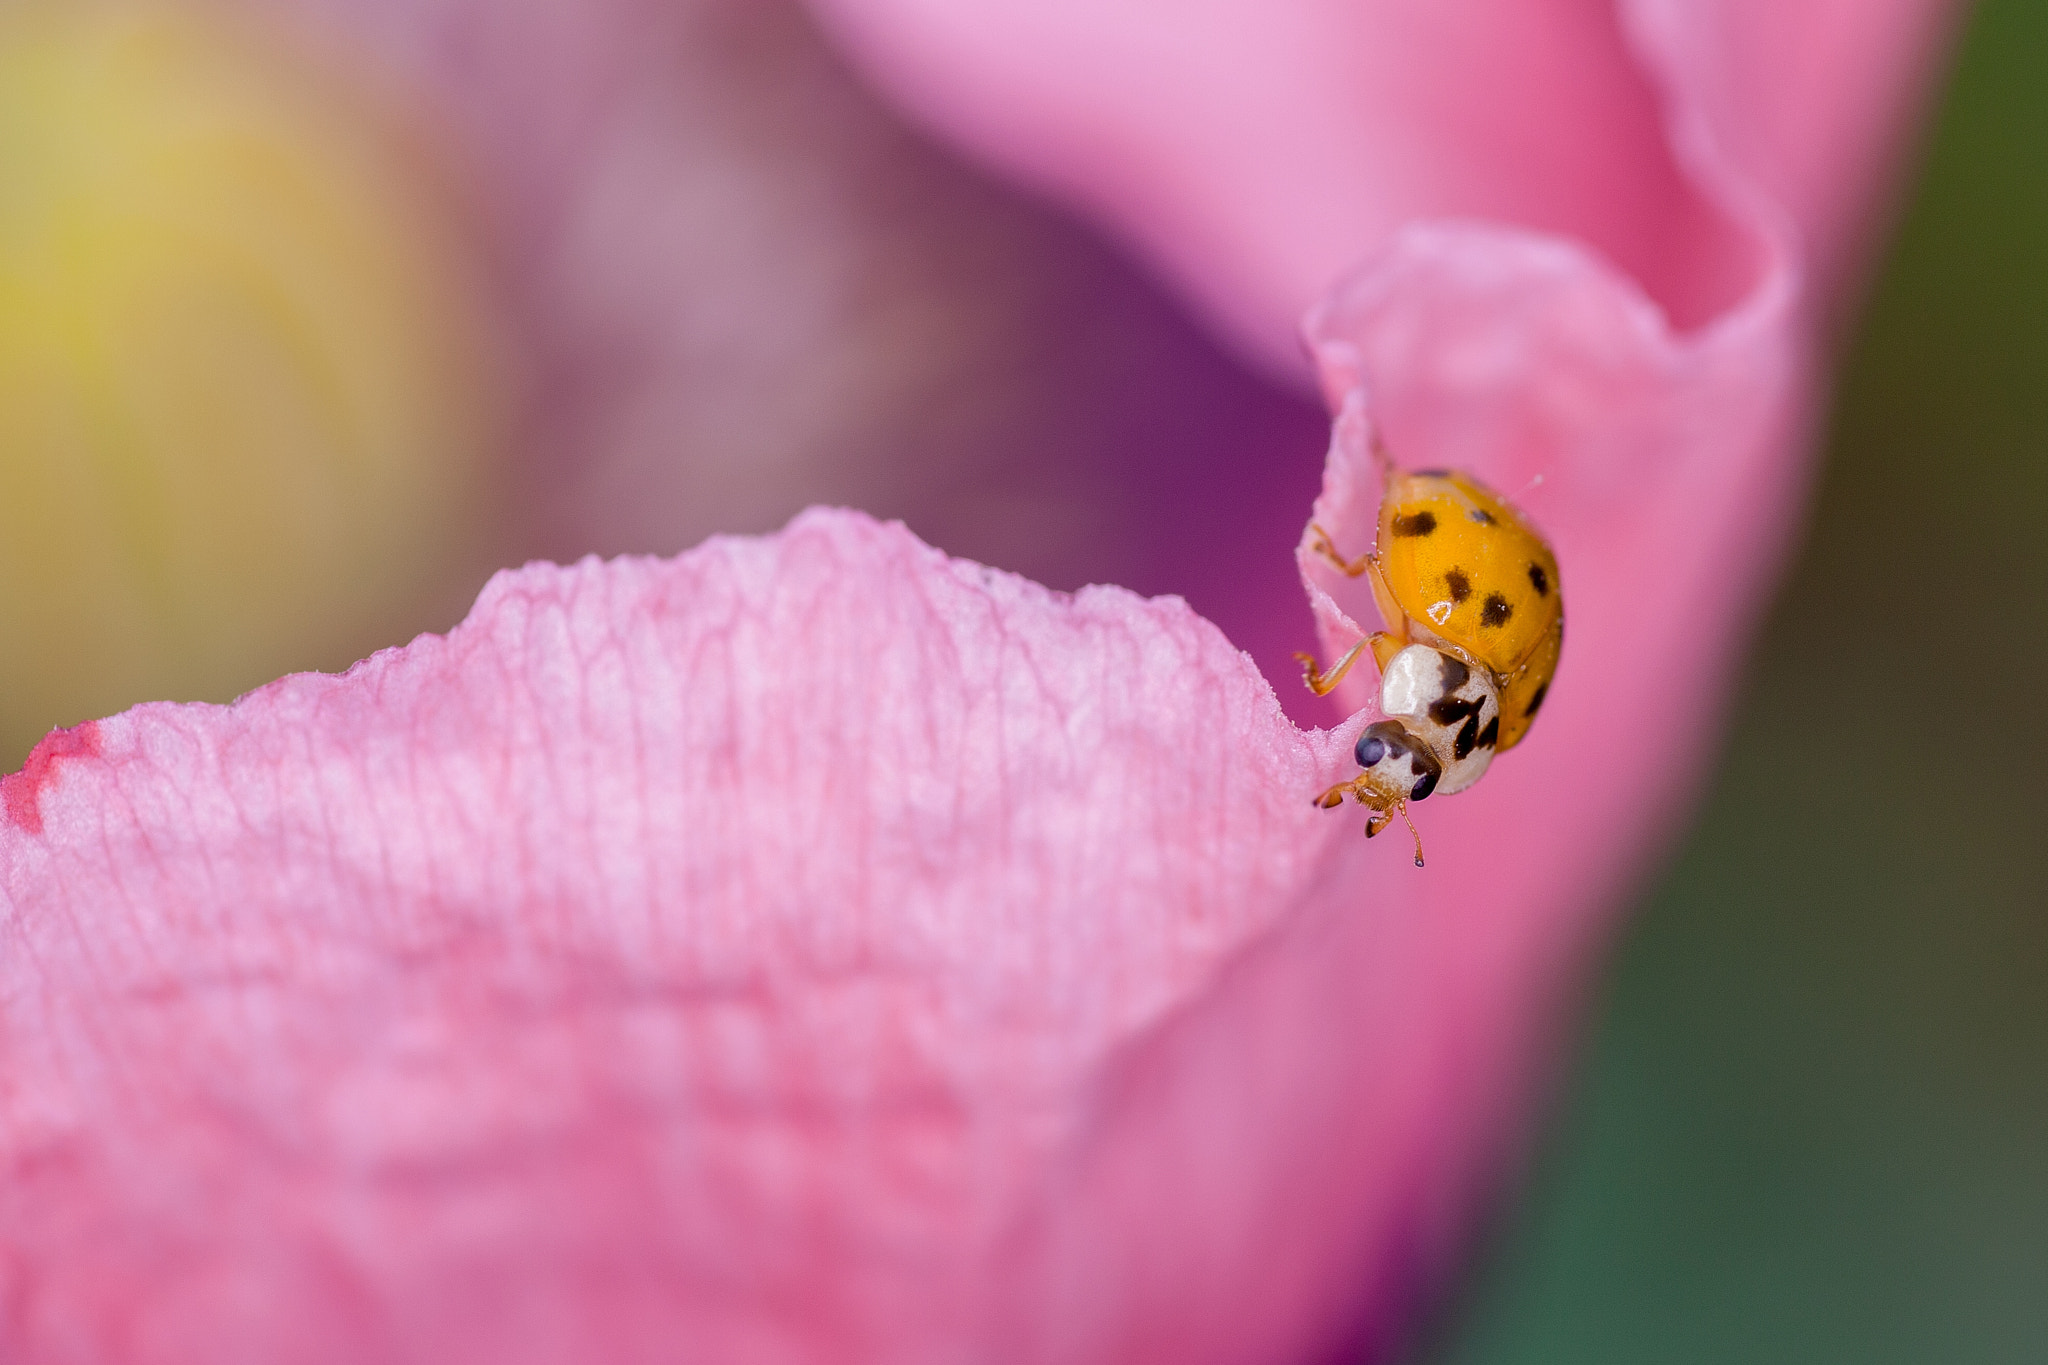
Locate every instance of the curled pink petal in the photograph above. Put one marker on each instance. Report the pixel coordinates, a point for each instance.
(1257, 152)
(1812, 98)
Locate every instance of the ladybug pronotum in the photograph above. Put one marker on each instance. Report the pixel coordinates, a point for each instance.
(1474, 617)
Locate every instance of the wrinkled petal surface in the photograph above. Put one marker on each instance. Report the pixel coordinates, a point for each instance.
(728, 950)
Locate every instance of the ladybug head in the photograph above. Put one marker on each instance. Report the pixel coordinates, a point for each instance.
(1398, 766)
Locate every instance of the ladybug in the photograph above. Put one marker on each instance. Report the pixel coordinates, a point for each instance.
(1474, 611)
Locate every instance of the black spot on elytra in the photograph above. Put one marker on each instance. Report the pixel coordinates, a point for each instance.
(1480, 515)
(1496, 612)
(1539, 580)
(1419, 524)
(1460, 586)
(1536, 701)
(1490, 736)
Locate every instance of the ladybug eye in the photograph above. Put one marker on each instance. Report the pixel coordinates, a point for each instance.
(1381, 740)
(1405, 759)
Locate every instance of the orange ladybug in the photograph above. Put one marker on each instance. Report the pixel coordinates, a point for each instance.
(1474, 612)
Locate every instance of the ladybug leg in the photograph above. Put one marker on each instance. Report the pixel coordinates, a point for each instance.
(1334, 797)
(1360, 791)
(1390, 611)
(1327, 548)
(1321, 683)
(1383, 646)
(1380, 818)
(1382, 596)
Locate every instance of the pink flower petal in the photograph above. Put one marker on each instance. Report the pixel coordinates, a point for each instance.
(1811, 98)
(1256, 152)
(734, 950)
(816, 949)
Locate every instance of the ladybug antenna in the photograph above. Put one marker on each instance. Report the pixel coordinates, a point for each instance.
(1411, 830)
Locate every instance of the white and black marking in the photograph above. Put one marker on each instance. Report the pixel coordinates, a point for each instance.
(1448, 706)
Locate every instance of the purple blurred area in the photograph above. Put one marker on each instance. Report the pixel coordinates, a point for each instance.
(744, 287)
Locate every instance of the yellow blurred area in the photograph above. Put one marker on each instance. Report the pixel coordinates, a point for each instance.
(250, 396)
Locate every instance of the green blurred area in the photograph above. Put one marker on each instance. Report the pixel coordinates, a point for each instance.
(1810, 1119)
(252, 396)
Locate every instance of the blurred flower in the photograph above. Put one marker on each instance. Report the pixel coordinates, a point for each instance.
(247, 377)
(818, 948)
(743, 286)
